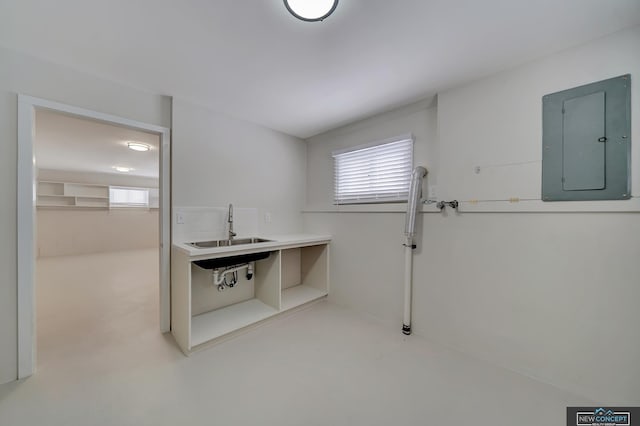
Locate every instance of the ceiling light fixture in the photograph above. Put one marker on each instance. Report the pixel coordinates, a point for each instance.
(137, 146)
(311, 10)
(123, 169)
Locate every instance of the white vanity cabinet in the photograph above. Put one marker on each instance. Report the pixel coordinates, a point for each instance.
(296, 273)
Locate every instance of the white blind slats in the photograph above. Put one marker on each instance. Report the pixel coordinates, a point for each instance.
(355, 174)
(378, 173)
(357, 168)
(354, 161)
(128, 197)
(374, 150)
(390, 181)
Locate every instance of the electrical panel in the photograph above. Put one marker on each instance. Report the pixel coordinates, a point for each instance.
(586, 142)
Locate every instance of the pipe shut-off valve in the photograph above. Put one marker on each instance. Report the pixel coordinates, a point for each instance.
(220, 275)
(453, 204)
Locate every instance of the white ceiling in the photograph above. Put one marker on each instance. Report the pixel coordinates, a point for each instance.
(253, 60)
(64, 142)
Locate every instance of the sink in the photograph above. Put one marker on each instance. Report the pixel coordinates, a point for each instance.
(224, 262)
(227, 243)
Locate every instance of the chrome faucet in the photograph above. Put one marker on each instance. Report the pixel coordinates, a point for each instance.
(230, 221)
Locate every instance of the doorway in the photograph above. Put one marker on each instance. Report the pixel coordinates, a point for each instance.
(57, 192)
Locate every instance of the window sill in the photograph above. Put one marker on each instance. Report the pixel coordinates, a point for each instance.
(367, 208)
(514, 205)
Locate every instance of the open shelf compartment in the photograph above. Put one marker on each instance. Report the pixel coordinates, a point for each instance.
(217, 323)
(305, 275)
(217, 313)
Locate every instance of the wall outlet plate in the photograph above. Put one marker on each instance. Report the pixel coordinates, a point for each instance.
(433, 192)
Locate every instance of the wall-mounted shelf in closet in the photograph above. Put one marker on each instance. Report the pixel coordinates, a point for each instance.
(81, 195)
(63, 194)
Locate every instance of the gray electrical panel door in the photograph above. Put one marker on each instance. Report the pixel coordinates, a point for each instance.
(582, 146)
(586, 138)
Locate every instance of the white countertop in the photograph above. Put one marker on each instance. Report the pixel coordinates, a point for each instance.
(277, 242)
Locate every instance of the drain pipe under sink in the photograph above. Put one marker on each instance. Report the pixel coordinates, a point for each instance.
(409, 227)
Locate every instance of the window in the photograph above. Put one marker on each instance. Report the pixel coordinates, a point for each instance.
(128, 197)
(374, 173)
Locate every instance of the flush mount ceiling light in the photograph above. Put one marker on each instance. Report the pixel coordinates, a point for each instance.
(137, 146)
(311, 10)
(123, 169)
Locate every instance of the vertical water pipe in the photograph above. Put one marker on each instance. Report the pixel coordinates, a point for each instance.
(409, 226)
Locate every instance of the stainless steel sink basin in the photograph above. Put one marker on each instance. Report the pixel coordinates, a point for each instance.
(227, 243)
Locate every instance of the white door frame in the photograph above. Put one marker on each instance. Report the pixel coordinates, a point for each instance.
(27, 106)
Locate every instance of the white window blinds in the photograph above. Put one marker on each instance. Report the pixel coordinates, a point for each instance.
(128, 197)
(375, 173)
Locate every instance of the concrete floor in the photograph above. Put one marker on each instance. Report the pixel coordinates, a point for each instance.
(102, 361)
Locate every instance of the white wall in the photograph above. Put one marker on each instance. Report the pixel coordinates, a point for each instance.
(419, 119)
(97, 178)
(497, 121)
(219, 160)
(69, 232)
(551, 295)
(23, 74)
(366, 249)
(66, 232)
(546, 294)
